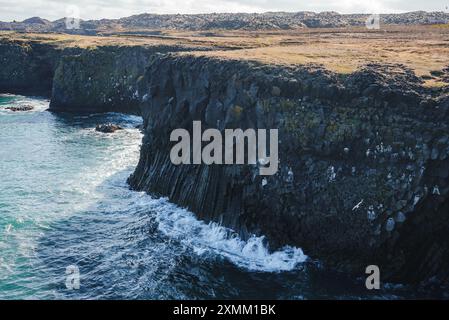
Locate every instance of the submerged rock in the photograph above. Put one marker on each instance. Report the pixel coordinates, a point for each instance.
(107, 128)
(20, 108)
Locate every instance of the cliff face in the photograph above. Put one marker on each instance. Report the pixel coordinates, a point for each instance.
(98, 79)
(103, 78)
(27, 67)
(364, 159)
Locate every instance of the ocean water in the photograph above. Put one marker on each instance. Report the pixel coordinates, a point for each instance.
(64, 203)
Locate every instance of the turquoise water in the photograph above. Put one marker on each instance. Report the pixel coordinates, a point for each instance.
(51, 168)
(64, 202)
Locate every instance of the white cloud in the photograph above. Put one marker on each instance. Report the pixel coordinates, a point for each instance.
(96, 9)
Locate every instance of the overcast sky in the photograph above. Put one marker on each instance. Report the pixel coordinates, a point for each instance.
(96, 9)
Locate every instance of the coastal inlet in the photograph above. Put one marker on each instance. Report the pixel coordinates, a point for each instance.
(64, 201)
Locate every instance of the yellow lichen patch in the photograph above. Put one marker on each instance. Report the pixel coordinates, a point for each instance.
(433, 83)
(237, 111)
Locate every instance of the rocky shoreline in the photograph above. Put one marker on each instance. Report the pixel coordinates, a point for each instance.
(364, 158)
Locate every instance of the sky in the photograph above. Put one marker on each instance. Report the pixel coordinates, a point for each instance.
(96, 9)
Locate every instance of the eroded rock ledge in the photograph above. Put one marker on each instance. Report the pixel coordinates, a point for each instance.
(364, 159)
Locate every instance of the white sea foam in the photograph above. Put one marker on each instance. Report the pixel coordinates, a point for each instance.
(211, 238)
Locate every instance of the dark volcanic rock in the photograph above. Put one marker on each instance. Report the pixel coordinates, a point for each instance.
(107, 128)
(445, 75)
(364, 159)
(100, 80)
(27, 67)
(97, 79)
(21, 108)
(103, 79)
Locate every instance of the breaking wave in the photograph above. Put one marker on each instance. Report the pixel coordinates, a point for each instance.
(211, 238)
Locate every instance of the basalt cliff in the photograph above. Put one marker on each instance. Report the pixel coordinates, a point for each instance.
(363, 173)
(363, 159)
(27, 67)
(91, 79)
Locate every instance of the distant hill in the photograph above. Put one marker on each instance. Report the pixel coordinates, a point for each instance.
(227, 21)
(36, 20)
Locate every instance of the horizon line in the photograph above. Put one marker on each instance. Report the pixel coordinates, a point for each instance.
(235, 13)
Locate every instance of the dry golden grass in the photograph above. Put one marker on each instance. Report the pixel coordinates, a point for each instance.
(433, 83)
(441, 25)
(422, 48)
(67, 40)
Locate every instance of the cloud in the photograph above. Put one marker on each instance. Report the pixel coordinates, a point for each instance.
(97, 9)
